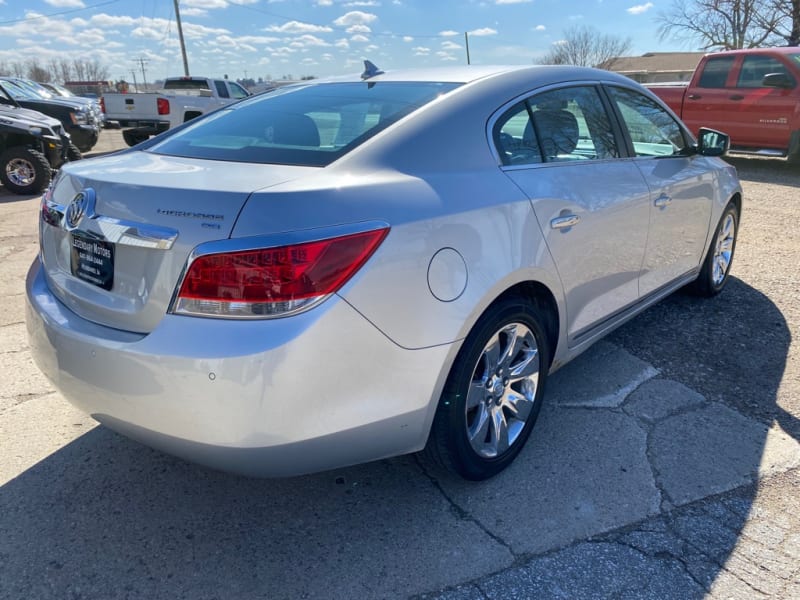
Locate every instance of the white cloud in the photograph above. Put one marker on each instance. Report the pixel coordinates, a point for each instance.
(448, 33)
(421, 51)
(308, 40)
(355, 17)
(194, 12)
(205, 4)
(324, 2)
(342, 43)
(408, 38)
(539, 28)
(512, 1)
(362, 3)
(446, 56)
(483, 31)
(359, 29)
(359, 38)
(640, 8)
(298, 27)
(450, 46)
(66, 3)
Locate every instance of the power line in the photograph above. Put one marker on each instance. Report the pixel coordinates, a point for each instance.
(57, 14)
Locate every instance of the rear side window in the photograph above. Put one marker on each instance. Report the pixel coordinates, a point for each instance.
(715, 72)
(567, 124)
(222, 90)
(307, 125)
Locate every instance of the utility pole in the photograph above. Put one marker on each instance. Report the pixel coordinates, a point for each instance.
(180, 37)
(135, 85)
(142, 62)
(466, 41)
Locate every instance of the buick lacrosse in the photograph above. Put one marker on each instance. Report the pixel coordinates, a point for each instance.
(349, 269)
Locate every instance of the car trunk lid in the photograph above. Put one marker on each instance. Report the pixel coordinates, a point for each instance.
(116, 231)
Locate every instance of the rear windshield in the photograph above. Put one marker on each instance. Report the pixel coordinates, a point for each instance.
(308, 125)
(186, 84)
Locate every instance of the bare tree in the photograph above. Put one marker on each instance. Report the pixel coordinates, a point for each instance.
(722, 24)
(95, 71)
(35, 71)
(787, 26)
(585, 46)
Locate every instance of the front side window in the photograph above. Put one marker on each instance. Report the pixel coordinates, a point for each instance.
(567, 124)
(305, 124)
(653, 131)
(715, 72)
(237, 91)
(754, 67)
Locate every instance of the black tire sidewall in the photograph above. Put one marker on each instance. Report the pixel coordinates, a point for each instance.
(451, 416)
(40, 166)
(707, 273)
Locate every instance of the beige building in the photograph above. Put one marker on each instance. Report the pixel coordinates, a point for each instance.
(656, 67)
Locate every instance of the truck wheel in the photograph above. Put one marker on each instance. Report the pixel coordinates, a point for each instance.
(132, 137)
(73, 153)
(24, 171)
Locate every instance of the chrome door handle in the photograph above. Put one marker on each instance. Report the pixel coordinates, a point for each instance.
(565, 222)
(663, 201)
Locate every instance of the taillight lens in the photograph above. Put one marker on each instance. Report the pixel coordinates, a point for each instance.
(273, 282)
(163, 106)
(102, 104)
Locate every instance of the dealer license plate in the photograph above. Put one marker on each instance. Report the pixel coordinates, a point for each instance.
(92, 260)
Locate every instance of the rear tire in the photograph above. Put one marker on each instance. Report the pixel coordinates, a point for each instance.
(73, 153)
(132, 137)
(719, 258)
(24, 171)
(493, 393)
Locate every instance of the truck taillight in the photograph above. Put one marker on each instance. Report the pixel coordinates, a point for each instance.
(273, 282)
(102, 104)
(163, 106)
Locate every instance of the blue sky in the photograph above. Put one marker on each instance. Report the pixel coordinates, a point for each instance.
(260, 38)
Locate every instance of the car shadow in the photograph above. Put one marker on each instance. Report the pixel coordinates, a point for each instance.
(7, 197)
(106, 517)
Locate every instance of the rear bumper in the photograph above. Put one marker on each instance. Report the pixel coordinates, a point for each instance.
(280, 397)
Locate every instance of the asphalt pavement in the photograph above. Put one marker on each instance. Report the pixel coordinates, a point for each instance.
(665, 464)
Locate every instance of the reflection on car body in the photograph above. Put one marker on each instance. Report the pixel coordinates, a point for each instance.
(394, 264)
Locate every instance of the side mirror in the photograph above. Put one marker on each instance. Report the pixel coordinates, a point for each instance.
(777, 80)
(712, 143)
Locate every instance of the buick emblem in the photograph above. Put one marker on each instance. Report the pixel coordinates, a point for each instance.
(76, 209)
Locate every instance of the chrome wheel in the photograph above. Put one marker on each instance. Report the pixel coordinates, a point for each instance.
(502, 391)
(20, 171)
(723, 250)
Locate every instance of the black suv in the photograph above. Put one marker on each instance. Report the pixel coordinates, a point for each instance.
(76, 118)
(31, 146)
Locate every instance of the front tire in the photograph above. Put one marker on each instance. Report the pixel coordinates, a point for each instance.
(133, 137)
(717, 264)
(73, 153)
(493, 394)
(24, 171)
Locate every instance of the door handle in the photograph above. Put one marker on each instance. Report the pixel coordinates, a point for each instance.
(662, 201)
(737, 97)
(694, 96)
(565, 222)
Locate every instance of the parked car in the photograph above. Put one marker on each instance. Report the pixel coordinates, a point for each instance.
(31, 146)
(76, 119)
(59, 91)
(340, 271)
(181, 99)
(750, 94)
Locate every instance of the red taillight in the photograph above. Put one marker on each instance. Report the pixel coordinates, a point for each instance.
(273, 281)
(163, 106)
(102, 104)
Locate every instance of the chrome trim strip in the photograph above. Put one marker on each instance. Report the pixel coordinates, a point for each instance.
(117, 231)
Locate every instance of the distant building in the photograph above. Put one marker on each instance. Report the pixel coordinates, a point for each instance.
(656, 67)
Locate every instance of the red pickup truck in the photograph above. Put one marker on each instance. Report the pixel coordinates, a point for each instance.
(752, 95)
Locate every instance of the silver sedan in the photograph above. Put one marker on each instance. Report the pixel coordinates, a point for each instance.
(351, 269)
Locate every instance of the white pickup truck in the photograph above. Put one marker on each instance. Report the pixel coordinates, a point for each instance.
(181, 99)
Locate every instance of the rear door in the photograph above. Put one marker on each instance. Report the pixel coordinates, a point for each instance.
(560, 148)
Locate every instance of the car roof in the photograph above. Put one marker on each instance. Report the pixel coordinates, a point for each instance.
(541, 74)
